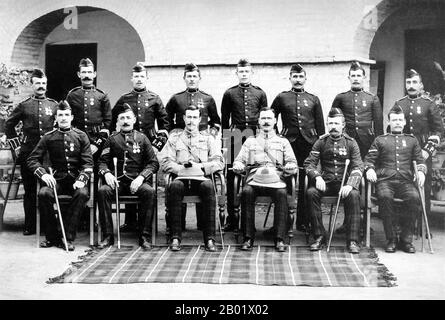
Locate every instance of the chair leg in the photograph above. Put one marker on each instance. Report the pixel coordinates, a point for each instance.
(291, 220)
(368, 227)
(236, 217)
(154, 223)
(92, 226)
(267, 215)
(330, 218)
(221, 208)
(38, 226)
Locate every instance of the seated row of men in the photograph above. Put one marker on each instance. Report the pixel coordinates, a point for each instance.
(193, 156)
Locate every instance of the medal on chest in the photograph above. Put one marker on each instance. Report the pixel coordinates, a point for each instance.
(146, 103)
(136, 148)
(404, 143)
(71, 146)
(342, 151)
(305, 103)
(364, 103)
(419, 110)
(92, 101)
(48, 111)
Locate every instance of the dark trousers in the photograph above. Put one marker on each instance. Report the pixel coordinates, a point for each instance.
(106, 195)
(386, 191)
(351, 206)
(279, 197)
(72, 212)
(29, 198)
(176, 192)
(301, 149)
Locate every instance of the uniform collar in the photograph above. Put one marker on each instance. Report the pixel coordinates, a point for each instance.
(65, 130)
(396, 133)
(268, 135)
(297, 90)
(139, 90)
(128, 133)
(417, 96)
(89, 88)
(356, 90)
(336, 139)
(38, 98)
(190, 133)
(244, 85)
(190, 90)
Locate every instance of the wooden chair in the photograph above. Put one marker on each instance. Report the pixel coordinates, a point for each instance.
(220, 185)
(292, 188)
(134, 199)
(65, 199)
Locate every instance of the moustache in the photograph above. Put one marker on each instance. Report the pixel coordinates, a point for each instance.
(411, 89)
(86, 79)
(333, 130)
(125, 125)
(40, 88)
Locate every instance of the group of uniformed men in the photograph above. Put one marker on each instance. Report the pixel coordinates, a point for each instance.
(82, 134)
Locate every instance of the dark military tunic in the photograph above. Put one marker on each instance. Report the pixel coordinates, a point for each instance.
(332, 154)
(37, 116)
(179, 102)
(301, 114)
(422, 118)
(148, 107)
(241, 105)
(135, 156)
(69, 155)
(363, 115)
(92, 112)
(391, 157)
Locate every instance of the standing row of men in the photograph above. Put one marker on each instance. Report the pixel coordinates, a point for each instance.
(301, 112)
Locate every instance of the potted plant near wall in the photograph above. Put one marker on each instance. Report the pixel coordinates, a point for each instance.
(11, 81)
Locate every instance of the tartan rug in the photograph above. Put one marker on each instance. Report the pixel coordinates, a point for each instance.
(262, 266)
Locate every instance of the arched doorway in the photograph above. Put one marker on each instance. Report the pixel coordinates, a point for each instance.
(107, 38)
(399, 35)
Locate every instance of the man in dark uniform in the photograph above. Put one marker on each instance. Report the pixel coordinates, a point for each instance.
(303, 123)
(37, 116)
(192, 95)
(271, 159)
(423, 120)
(179, 102)
(148, 108)
(240, 109)
(69, 154)
(363, 111)
(331, 152)
(136, 164)
(91, 108)
(191, 155)
(389, 163)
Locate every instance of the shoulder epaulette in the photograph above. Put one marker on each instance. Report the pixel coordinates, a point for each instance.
(176, 132)
(410, 135)
(205, 93)
(101, 91)
(25, 99)
(52, 100)
(256, 87)
(426, 98)
(74, 89)
(77, 130)
(235, 86)
(324, 136)
(152, 93)
(50, 132)
(402, 98)
(347, 136)
(367, 92)
(114, 133)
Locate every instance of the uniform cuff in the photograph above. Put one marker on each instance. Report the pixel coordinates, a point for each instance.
(14, 143)
(40, 172)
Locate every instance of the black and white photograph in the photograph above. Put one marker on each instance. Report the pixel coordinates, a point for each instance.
(223, 155)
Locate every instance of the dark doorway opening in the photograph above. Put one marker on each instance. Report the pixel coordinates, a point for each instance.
(378, 80)
(62, 64)
(423, 47)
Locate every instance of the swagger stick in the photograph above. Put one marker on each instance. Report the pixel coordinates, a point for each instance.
(59, 212)
(338, 203)
(425, 217)
(118, 216)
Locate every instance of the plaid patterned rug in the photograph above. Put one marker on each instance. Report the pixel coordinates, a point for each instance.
(262, 266)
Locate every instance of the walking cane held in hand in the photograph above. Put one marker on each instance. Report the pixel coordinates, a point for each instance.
(59, 213)
(338, 203)
(425, 217)
(118, 216)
